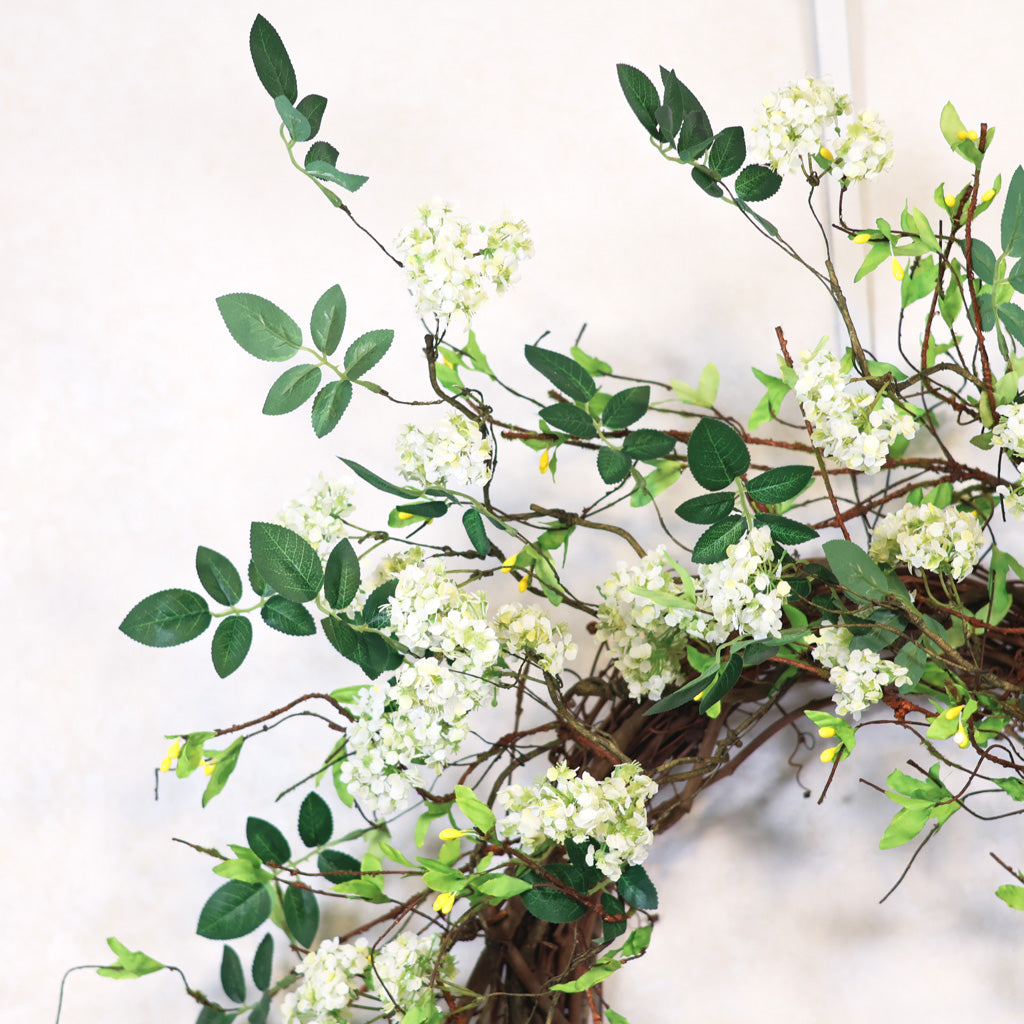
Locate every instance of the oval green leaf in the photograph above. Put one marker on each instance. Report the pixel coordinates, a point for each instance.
(570, 418)
(288, 617)
(291, 390)
(636, 888)
(717, 454)
(167, 618)
(329, 405)
(264, 330)
(648, 444)
(312, 108)
(337, 867)
(756, 182)
(341, 575)
(218, 576)
(267, 842)
(286, 561)
(294, 121)
(613, 465)
(728, 152)
(232, 977)
(366, 351)
(270, 58)
(301, 914)
(707, 508)
(547, 904)
(785, 531)
(231, 643)
(713, 543)
(641, 96)
(473, 523)
(315, 821)
(263, 962)
(625, 407)
(328, 320)
(778, 485)
(566, 374)
(234, 910)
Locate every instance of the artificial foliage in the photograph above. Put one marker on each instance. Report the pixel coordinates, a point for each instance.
(851, 561)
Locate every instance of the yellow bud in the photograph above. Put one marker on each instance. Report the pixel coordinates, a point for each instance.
(447, 362)
(453, 833)
(951, 713)
(544, 459)
(864, 236)
(444, 902)
(165, 764)
(175, 748)
(405, 515)
(972, 135)
(897, 269)
(699, 695)
(950, 201)
(826, 153)
(208, 767)
(826, 732)
(961, 740)
(523, 584)
(961, 135)
(987, 197)
(829, 755)
(506, 566)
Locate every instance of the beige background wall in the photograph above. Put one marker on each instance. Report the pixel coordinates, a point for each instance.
(143, 177)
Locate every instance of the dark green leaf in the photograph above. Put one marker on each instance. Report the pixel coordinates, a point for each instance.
(642, 98)
(724, 682)
(344, 639)
(288, 617)
(232, 977)
(374, 655)
(713, 543)
(728, 152)
(565, 373)
(211, 1015)
(983, 261)
(259, 585)
(685, 693)
(271, 60)
(473, 524)
(707, 508)
(291, 390)
(376, 612)
(785, 531)
(321, 153)
(337, 867)
(612, 929)
(234, 910)
(298, 127)
(717, 454)
(613, 465)
(329, 405)
(626, 407)
(1011, 227)
(328, 320)
(231, 643)
(286, 561)
(648, 444)
(778, 485)
(312, 109)
(379, 482)
(1016, 276)
(756, 182)
(366, 351)
(167, 618)
(705, 181)
(855, 570)
(548, 904)
(636, 888)
(267, 842)
(218, 576)
(315, 821)
(261, 1010)
(263, 962)
(570, 418)
(264, 330)
(341, 575)
(301, 914)
(1012, 318)
(424, 509)
(327, 172)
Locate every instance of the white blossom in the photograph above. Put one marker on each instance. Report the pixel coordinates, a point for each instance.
(332, 977)
(402, 970)
(528, 632)
(865, 148)
(857, 675)
(318, 514)
(565, 806)
(455, 453)
(1008, 433)
(943, 540)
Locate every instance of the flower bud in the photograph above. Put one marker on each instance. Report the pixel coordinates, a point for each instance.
(950, 713)
(897, 269)
(828, 755)
(961, 740)
(864, 236)
(961, 135)
(950, 201)
(453, 833)
(208, 767)
(523, 584)
(444, 902)
(509, 562)
(972, 135)
(826, 732)
(988, 196)
(826, 153)
(544, 459)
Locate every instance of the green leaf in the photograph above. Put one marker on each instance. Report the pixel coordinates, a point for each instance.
(218, 576)
(1012, 786)
(341, 575)
(301, 914)
(291, 389)
(295, 122)
(328, 320)
(638, 941)
(855, 570)
(785, 531)
(328, 172)
(625, 407)
(663, 476)
(245, 867)
(234, 910)
(320, 153)
(312, 108)
(366, 351)
(329, 405)
(211, 1015)
(591, 364)
(566, 374)
(271, 60)
(423, 509)
(226, 762)
(261, 1010)
(636, 888)
(779, 485)
(570, 418)
(642, 98)
(613, 465)
(504, 887)
(259, 585)
(263, 962)
(231, 643)
(614, 1017)
(1012, 896)
(264, 330)
(712, 545)
(475, 809)
(267, 842)
(129, 964)
(315, 821)
(1012, 318)
(907, 823)
(547, 904)
(707, 508)
(167, 618)
(232, 977)
(876, 256)
(612, 929)
(756, 183)
(706, 182)
(379, 482)
(727, 152)
(337, 867)
(376, 613)
(648, 444)
(287, 617)
(286, 561)
(1011, 225)
(717, 454)
(706, 391)
(473, 524)
(599, 972)
(983, 261)
(723, 683)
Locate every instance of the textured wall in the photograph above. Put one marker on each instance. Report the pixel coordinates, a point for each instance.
(143, 177)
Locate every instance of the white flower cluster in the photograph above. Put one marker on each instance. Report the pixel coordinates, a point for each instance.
(1008, 433)
(942, 540)
(452, 264)
(858, 676)
(318, 514)
(800, 119)
(335, 974)
(564, 806)
(420, 717)
(430, 613)
(854, 428)
(390, 566)
(743, 591)
(528, 632)
(453, 454)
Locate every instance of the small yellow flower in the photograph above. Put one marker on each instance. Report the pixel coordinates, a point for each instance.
(826, 732)
(950, 201)
(523, 584)
(864, 236)
(447, 362)
(544, 460)
(972, 135)
(951, 713)
(829, 755)
(961, 135)
(444, 902)
(453, 833)
(509, 562)
(405, 515)
(172, 752)
(208, 766)
(826, 153)
(699, 695)
(987, 197)
(897, 269)
(961, 739)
